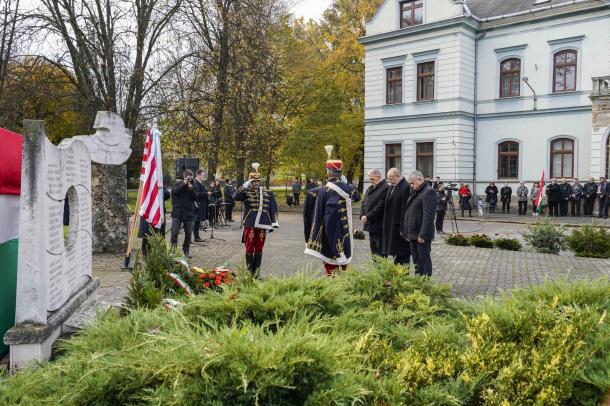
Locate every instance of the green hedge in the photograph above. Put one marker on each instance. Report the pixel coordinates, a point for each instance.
(590, 241)
(371, 338)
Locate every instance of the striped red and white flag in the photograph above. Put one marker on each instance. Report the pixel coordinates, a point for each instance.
(151, 200)
(538, 199)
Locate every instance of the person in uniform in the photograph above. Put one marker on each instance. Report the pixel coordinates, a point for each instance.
(327, 218)
(260, 217)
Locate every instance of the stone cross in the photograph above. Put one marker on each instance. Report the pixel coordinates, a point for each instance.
(54, 271)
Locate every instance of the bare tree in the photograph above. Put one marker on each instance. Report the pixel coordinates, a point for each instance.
(11, 32)
(114, 48)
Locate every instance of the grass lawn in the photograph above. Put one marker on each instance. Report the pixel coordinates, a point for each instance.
(132, 195)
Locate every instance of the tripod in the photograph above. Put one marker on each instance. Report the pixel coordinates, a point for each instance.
(213, 223)
(452, 217)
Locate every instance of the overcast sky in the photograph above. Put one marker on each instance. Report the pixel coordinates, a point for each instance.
(310, 8)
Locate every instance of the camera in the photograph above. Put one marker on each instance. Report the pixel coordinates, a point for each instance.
(451, 187)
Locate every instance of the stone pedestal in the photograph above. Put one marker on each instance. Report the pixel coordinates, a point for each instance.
(110, 215)
(600, 147)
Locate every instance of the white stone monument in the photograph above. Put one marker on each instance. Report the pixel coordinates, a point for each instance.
(54, 273)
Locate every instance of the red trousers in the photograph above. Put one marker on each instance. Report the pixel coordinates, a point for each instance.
(254, 238)
(330, 269)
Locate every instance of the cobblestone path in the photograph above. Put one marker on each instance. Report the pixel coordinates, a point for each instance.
(471, 271)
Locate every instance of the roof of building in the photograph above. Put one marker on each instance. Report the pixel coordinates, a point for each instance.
(494, 8)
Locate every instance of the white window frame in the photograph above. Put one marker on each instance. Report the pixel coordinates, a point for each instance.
(520, 160)
(565, 44)
(434, 155)
(548, 155)
(423, 57)
(502, 54)
(389, 63)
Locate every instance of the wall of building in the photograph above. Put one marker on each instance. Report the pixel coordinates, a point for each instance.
(387, 17)
(452, 137)
(534, 133)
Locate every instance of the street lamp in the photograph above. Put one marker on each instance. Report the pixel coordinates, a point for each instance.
(526, 80)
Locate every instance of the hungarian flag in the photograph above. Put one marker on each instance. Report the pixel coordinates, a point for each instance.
(151, 200)
(538, 200)
(10, 189)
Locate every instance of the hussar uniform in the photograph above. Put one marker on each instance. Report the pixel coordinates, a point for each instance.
(327, 218)
(260, 217)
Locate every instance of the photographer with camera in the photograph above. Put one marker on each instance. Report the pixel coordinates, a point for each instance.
(183, 210)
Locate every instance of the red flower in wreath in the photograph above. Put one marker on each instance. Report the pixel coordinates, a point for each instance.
(206, 284)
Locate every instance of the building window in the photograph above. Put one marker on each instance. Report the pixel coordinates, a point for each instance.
(564, 71)
(424, 158)
(508, 160)
(425, 81)
(411, 13)
(393, 156)
(394, 85)
(510, 78)
(562, 158)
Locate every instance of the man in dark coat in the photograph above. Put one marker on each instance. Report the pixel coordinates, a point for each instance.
(553, 194)
(393, 214)
(588, 192)
(566, 195)
(505, 195)
(602, 196)
(491, 196)
(229, 203)
(296, 191)
(441, 206)
(418, 225)
(607, 201)
(372, 209)
(327, 219)
(201, 203)
(183, 210)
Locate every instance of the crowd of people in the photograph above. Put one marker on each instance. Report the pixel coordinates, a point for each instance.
(196, 205)
(560, 198)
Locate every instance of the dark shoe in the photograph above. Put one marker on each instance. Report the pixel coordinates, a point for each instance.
(258, 258)
(197, 239)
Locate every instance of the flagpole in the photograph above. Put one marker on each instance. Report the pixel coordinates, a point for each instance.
(136, 217)
(134, 225)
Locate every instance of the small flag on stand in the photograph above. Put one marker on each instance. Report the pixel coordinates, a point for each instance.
(538, 201)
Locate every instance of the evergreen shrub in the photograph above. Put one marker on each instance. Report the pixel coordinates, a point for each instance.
(509, 244)
(480, 241)
(364, 338)
(590, 241)
(546, 237)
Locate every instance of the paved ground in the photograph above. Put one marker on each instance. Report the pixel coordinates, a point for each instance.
(470, 271)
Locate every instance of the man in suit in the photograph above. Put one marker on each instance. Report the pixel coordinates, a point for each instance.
(553, 193)
(589, 192)
(229, 191)
(607, 200)
(183, 210)
(602, 196)
(372, 209)
(201, 203)
(418, 225)
(393, 213)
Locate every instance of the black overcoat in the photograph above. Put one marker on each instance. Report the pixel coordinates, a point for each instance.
(201, 206)
(419, 216)
(183, 201)
(372, 207)
(393, 214)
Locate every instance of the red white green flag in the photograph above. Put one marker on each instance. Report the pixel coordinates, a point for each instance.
(538, 200)
(10, 189)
